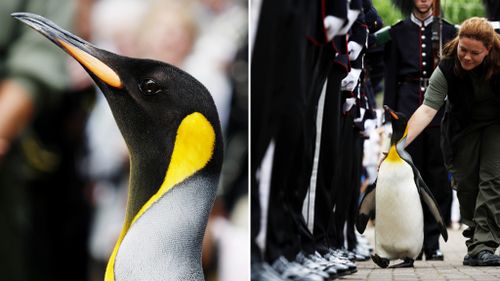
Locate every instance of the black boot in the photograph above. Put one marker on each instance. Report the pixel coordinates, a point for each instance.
(484, 258)
(434, 255)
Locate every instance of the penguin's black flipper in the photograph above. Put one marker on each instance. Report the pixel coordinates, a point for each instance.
(430, 201)
(423, 190)
(366, 209)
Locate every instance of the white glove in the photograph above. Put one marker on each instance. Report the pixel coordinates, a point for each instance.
(362, 112)
(351, 80)
(348, 104)
(354, 50)
(332, 26)
(352, 15)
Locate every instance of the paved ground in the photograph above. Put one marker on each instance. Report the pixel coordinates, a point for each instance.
(449, 269)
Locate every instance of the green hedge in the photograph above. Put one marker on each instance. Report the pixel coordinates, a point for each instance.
(455, 11)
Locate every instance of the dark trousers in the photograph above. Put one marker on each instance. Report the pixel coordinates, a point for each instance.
(280, 72)
(347, 182)
(287, 232)
(476, 169)
(324, 71)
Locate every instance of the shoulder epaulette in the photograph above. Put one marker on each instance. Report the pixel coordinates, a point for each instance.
(447, 22)
(398, 23)
(382, 36)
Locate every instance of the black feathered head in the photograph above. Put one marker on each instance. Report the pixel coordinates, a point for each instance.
(399, 122)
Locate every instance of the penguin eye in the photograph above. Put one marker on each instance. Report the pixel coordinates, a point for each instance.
(150, 87)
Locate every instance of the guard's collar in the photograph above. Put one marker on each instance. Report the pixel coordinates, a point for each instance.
(418, 22)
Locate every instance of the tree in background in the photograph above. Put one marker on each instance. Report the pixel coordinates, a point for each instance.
(455, 11)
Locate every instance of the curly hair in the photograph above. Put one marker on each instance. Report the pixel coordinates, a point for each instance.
(481, 30)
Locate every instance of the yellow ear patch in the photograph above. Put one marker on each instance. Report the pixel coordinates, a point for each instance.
(100, 69)
(193, 148)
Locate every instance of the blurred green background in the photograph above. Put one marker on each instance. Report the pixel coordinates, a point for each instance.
(455, 11)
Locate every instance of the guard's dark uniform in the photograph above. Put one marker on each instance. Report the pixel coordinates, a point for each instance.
(409, 64)
(492, 9)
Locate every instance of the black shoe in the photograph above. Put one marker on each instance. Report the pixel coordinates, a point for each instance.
(468, 232)
(316, 265)
(466, 260)
(435, 255)
(264, 272)
(484, 258)
(337, 256)
(296, 272)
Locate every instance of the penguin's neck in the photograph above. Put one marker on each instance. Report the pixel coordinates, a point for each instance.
(398, 143)
(143, 184)
(194, 147)
(396, 151)
(393, 155)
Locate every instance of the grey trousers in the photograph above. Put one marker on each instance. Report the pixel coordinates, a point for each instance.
(476, 170)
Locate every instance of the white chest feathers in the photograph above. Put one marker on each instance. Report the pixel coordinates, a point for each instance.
(399, 217)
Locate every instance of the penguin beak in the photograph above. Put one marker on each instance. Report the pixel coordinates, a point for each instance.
(86, 54)
(391, 112)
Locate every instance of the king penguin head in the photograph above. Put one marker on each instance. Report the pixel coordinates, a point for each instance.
(148, 98)
(167, 118)
(398, 123)
(171, 126)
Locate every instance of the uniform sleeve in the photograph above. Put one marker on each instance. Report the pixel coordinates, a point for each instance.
(437, 90)
(359, 35)
(33, 61)
(391, 61)
(336, 8)
(372, 18)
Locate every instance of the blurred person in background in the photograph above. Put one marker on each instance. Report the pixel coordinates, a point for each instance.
(222, 27)
(492, 9)
(43, 208)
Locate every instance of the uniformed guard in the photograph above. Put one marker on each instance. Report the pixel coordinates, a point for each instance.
(492, 8)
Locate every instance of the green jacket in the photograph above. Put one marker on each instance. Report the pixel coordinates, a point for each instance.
(28, 57)
(40, 67)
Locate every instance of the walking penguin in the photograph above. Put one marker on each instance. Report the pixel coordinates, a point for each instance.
(395, 201)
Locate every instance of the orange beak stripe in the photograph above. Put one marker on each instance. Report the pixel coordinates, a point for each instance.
(394, 115)
(97, 67)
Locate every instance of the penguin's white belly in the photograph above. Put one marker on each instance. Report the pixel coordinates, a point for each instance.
(399, 230)
(165, 242)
